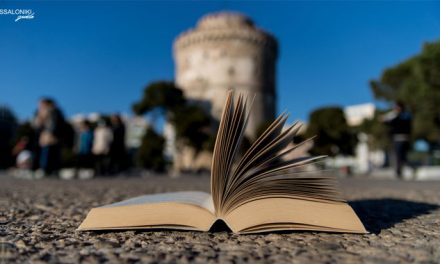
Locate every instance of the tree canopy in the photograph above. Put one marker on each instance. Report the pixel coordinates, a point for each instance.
(416, 83)
(333, 135)
(162, 95)
(150, 154)
(191, 122)
(192, 125)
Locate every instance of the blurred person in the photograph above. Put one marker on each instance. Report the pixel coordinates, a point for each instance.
(49, 122)
(22, 144)
(85, 144)
(23, 154)
(102, 140)
(399, 122)
(24, 160)
(117, 149)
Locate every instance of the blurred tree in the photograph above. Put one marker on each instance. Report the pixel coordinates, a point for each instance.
(192, 125)
(333, 135)
(191, 122)
(416, 83)
(8, 125)
(160, 96)
(150, 154)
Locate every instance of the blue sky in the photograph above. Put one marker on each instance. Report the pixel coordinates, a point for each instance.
(98, 55)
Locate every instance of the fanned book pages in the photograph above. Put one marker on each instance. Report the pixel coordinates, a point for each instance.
(260, 191)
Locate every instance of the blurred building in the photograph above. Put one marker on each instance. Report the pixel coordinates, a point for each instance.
(365, 159)
(227, 51)
(356, 114)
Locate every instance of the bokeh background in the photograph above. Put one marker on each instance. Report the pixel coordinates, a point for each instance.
(345, 60)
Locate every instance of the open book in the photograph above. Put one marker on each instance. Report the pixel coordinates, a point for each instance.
(261, 191)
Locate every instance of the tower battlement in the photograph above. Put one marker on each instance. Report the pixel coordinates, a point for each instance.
(227, 51)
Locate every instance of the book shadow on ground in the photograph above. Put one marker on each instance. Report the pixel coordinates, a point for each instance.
(381, 214)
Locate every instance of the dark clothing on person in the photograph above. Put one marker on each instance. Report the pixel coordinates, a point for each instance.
(50, 158)
(57, 124)
(401, 124)
(102, 165)
(400, 130)
(85, 161)
(401, 149)
(85, 157)
(50, 130)
(85, 142)
(102, 141)
(117, 149)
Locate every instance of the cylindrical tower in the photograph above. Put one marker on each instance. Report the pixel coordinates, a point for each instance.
(226, 51)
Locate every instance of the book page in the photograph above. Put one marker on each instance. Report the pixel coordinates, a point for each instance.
(296, 214)
(229, 136)
(201, 199)
(263, 170)
(295, 185)
(179, 210)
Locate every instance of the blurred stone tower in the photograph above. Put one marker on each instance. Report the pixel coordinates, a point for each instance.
(227, 51)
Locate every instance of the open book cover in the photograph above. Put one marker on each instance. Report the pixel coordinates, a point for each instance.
(260, 191)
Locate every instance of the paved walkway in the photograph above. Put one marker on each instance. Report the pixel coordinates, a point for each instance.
(38, 221)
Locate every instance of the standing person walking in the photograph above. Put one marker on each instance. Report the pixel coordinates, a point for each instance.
(85, 144)
(399, 121)
(102, 140)
(117, 149)
(49, 122)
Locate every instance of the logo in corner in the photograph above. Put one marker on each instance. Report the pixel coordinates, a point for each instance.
(30, 16)
(20, 14)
